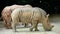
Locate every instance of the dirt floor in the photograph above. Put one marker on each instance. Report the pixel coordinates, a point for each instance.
(55, 20)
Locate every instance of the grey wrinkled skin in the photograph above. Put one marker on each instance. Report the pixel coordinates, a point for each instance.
(30, 15)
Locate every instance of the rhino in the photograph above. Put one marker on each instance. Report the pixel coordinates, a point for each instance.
(6, 14)
(33, 15)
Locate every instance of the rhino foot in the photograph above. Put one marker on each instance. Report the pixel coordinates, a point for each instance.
(36, 30)
(31, 29)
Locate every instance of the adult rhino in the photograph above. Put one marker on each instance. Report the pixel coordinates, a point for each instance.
(6, 14)
(30, 15)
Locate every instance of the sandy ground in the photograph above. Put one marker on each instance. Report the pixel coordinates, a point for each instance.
(22, 30)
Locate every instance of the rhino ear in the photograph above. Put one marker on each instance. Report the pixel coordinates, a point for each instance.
(47, 14)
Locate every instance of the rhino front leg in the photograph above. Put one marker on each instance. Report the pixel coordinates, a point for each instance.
(34, 25)
(36, 29)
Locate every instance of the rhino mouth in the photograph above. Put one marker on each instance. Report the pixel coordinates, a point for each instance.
(50, 28)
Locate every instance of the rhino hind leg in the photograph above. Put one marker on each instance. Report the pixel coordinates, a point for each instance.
(14, 27)
(5, 23)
